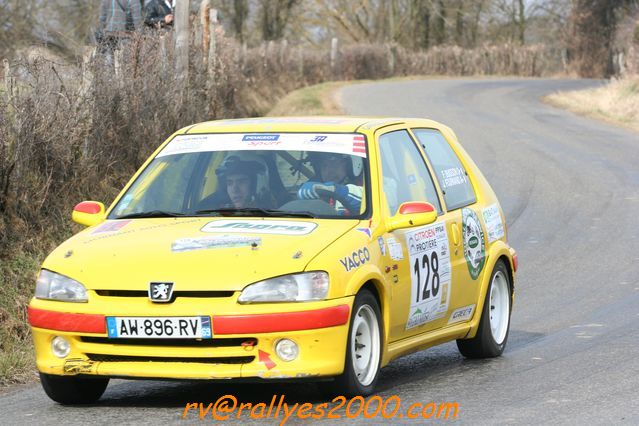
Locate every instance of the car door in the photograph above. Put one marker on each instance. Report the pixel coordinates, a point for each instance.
(421, 264)
(462, 219)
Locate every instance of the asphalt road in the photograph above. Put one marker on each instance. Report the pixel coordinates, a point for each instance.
(569, 187)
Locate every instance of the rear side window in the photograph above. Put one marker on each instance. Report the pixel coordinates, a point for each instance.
(451, 174)
(404, 172)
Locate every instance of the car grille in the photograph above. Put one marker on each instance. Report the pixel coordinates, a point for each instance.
(176, 294)
(207, 343)
(208, 360)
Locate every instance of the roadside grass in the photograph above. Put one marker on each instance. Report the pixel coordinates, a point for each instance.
(17, 280)
(617, 102)
(320, 99)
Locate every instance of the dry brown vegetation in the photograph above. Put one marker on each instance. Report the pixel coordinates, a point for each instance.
(616, 102)
(70, 132)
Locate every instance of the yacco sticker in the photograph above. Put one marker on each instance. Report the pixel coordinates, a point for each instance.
(429, 256)
(474, 246)
(111, 226)
(356, 259)
(280, 227)
(461, 314)
(395, 249)
(382, 245)
(493, 222)
(453, 176)
(340, 143)
(212, 242)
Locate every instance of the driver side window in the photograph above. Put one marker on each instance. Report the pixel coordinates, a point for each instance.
(404, 173)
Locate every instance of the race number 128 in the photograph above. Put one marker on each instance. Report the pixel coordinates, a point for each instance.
(428, 267)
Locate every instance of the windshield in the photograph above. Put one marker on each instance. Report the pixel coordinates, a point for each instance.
(280, 175)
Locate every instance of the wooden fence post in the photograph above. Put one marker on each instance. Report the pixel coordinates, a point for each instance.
(334, 52)
(181, 23)
(283, 50)
(212, 42)
(206, 33)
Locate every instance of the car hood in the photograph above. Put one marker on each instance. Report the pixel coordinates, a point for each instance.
(194, 253)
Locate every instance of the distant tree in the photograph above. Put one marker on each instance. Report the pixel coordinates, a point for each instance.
(17, 24)
(236, 12)
(593, 25)
(274, 17)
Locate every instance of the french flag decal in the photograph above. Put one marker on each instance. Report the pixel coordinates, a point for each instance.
(359, 144)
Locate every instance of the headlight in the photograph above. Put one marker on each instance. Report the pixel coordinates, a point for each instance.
(288, 288)
(58, 287)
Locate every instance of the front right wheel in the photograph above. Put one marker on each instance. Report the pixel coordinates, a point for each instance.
(492, 333)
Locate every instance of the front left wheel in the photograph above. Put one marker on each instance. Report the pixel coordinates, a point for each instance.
(69, 390)
(363, 352)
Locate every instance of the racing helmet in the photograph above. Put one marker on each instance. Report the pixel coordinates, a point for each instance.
(356, 163)
(246, 163)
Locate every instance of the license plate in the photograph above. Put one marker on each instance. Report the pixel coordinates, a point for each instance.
(159, 327)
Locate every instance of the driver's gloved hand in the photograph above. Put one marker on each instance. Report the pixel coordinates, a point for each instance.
(353, 202)
(308, 190)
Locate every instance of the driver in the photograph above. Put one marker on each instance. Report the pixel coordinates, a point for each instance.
(243, 178)
(335, 173)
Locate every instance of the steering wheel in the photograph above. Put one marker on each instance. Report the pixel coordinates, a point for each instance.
(341, 198)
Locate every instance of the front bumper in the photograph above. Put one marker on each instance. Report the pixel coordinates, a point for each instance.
(243, 343)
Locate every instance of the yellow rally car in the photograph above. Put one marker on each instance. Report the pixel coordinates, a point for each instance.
(278, 248)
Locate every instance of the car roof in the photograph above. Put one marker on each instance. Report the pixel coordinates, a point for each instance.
(314, 124)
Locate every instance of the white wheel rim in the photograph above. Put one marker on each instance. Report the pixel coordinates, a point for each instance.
(365, 345)
(499, 307)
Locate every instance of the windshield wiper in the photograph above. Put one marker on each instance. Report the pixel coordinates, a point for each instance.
(151, 213)
(251, 211)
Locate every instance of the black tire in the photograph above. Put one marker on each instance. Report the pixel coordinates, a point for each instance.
(484, 345)
(68, 390)
(348, 383)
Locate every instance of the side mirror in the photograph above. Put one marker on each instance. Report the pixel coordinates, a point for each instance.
(413, 213)
(88, 213)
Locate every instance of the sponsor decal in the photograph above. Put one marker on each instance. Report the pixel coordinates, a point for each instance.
(382, 245)
(339, 143)
(318, 138)
(142, 229)
(268, 138)
(452, 177)
(461, 314)
(278, 227)
(111, 226)
(356, 259)
(395, 249)
(223, 241)
(474, 247)
(429, 256)
(493, 222)
(366, 231)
